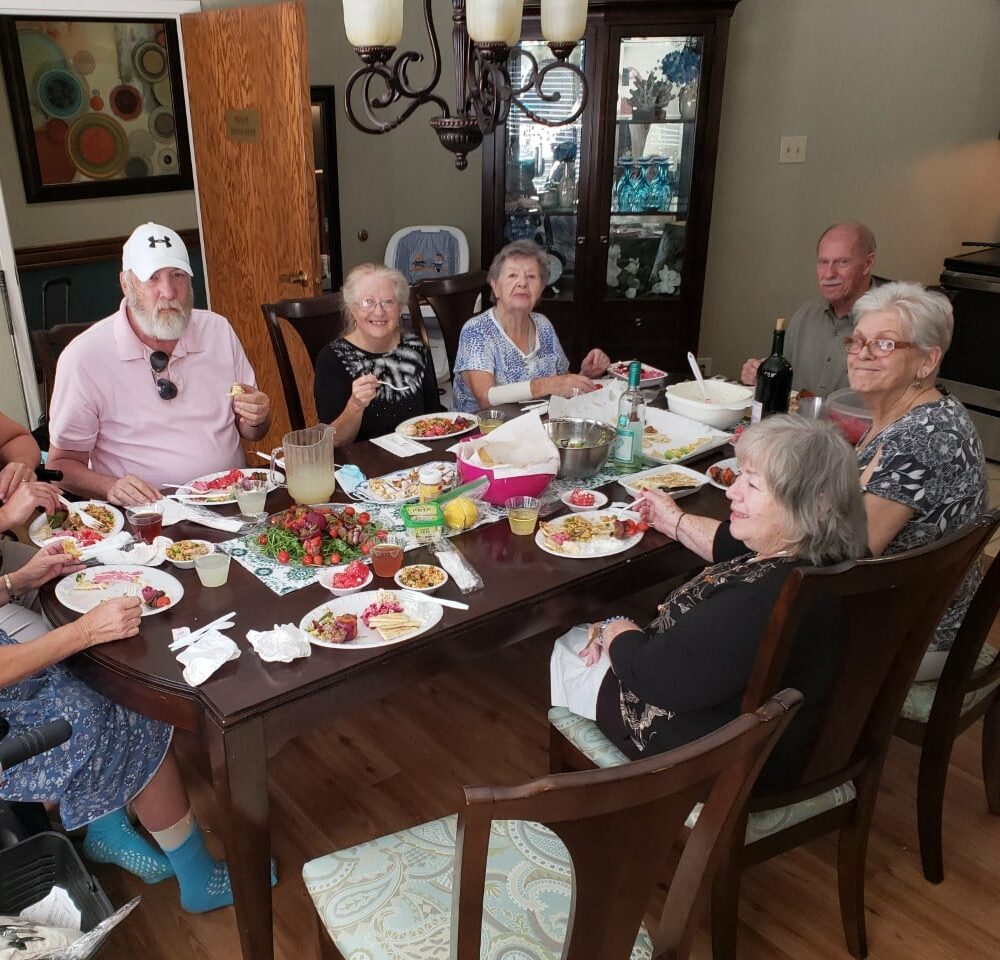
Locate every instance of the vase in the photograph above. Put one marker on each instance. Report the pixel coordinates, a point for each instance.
(648, 114)
(687, 101)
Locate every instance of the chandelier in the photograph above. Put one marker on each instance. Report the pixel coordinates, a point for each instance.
(484, 34)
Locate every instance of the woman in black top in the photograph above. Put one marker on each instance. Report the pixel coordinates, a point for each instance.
(372, 378)
(795, 502)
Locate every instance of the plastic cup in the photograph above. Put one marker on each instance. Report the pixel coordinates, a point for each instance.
(251, 495)
(146, 521)
(522, 515)
(212, 569)
(489, 420)
(387, 556)
(811, 407)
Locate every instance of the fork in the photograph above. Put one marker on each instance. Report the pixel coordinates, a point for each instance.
(392, 386)
(85, 517)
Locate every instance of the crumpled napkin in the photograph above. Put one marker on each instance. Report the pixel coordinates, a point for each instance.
(203, 657)
(174, 511)
(285, 643)
(348, 477)
(145, 554)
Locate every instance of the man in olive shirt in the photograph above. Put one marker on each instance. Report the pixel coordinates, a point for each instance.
(814, 341)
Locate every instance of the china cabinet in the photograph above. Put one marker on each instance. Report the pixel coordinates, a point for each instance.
(620, 200)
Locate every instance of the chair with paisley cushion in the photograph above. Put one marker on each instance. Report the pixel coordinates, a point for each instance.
(571, 857)
(891, 605)
(935, 712)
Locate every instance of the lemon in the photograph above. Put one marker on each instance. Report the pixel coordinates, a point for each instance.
(461, 513)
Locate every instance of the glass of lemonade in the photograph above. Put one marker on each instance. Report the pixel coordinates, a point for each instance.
(251, 495)
(522, 515)
(212, 569)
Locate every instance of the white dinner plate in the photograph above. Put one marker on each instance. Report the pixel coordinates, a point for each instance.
(114, 580)
(452, 415)
(634, 482)
(671, 438)
(586, 550)
(648, 376)
(38, 524)
(218, 498)
(730, 462)
(403, 483)
(429, 614)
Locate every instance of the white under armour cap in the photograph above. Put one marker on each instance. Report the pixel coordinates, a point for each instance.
(151, 248)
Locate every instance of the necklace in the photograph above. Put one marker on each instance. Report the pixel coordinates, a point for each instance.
(911, 404)
(756, 558)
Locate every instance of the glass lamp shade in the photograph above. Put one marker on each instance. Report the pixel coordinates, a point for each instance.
(373, 23)
(494, 21)
(563, 21)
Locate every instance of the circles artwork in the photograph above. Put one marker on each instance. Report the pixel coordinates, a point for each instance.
(150, 60)
(84, 62)
(166, 161)
(59, 93)
(126, 101)
(98, 146)
(161, 125)
(140, 144)
(137, 167)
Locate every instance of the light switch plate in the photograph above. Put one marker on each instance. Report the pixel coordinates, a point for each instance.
(793, 150)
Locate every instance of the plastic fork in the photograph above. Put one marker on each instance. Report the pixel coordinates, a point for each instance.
(392, 386)
(85, 517)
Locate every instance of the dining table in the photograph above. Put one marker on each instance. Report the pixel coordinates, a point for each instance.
(244, 713)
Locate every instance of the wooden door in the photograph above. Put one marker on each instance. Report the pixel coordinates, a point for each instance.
(248, 87)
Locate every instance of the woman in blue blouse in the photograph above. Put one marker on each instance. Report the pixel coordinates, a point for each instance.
(509, 354)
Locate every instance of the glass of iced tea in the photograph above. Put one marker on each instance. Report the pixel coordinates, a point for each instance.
(522, 515)
(387, 556)
(146, 520)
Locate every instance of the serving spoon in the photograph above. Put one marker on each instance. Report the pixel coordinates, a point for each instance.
(696, 370)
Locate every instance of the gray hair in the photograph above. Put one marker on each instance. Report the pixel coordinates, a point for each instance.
(865, 238)
(519, 248)
(363, 271)
(812, 472)
(927, 314)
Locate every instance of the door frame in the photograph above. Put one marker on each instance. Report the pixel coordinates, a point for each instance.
(131, 9)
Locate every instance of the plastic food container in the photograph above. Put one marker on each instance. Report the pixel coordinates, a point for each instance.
(846, 409)
(729, 402)
(500, 491)
(424, 522)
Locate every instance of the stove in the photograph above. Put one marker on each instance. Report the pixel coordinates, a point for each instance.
(971, 367)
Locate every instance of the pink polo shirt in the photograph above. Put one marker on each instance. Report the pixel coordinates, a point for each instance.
(105, 401)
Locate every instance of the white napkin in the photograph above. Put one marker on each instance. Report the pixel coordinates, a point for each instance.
(573, 684)
(517, 447)
(110, 543)
(399, 445)
(174, 511)
(203, 657)
(145, 554)
(184, 636)
(598, 405)
(285, 643)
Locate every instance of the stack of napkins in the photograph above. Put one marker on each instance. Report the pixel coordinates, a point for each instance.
(285, 643)
(516, 448)
(174, 510)
(598, 405)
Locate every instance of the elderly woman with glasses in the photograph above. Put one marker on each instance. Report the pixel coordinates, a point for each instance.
(509, 353)
(373, 377)
(796, 502)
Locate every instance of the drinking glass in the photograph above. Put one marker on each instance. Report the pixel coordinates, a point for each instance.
(522, 515)
(212, 569)
(251, 495)
(146, 520)
(387, 556)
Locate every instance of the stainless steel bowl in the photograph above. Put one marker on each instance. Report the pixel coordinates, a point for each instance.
(584, 445)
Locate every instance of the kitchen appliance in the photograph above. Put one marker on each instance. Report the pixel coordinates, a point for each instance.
(971, 367)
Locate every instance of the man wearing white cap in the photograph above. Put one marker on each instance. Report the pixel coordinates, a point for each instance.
(156, 393)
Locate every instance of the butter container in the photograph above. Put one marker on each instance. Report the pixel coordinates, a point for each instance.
(424, 522)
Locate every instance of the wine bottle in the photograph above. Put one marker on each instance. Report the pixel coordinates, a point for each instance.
(774, 379)
(626, 454)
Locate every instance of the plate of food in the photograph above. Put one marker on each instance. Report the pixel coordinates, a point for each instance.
(422, 577)
(597, 533)
(648, 376)
(373, 618)
(724, 473)
(216, 489)
(62, 523)
(83, 591)
(670, 438)
(320, 535)
(182, 553)
(402, 486)
(437, 426)
(677, 481)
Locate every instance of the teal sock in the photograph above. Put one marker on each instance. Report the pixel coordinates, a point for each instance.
(113, 839)
(204, 881)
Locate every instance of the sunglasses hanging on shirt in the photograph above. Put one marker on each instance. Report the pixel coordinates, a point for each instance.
(165, 387)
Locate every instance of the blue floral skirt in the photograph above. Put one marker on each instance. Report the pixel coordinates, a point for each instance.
(111, 756)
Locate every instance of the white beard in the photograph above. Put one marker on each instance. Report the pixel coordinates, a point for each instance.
(167, 321)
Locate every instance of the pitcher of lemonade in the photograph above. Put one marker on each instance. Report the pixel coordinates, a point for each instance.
(308, 463)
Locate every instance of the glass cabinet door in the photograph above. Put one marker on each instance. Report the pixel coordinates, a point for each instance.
(541, 199)
(654, 137)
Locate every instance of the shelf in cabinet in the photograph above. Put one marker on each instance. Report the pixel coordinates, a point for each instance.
(655, 123)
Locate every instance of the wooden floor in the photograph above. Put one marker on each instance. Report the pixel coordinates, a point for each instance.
(403, 760)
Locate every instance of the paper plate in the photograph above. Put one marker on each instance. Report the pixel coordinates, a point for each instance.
(218, 498)
(39, 523)
(587, 550)
(409, 428)
(115, 580)
(732, 463)
(689, 481)
(429, 615)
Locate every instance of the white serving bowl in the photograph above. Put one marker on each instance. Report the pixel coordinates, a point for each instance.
(325, 579)
(729, 402)
(184, 564)
(402, 571)
(600, 500)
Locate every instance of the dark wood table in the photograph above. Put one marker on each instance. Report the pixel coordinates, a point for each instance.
(249, 709)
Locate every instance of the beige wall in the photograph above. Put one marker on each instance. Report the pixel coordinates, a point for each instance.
(900, 100)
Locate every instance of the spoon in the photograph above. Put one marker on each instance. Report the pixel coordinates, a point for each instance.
(392, 386)
(696, 370)
(85, 518)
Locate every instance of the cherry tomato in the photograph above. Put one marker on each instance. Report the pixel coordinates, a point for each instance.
(262, 539)
(307, 560)
(642, 526)
(329, 560)
(334, 558)
(366, 547)
(284, 556)
(364, 518)
(348, 511)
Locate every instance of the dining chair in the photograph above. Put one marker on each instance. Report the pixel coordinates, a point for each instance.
(935, 712)
(48, 345)
(453, 300)
(890, 606)
(569, 857)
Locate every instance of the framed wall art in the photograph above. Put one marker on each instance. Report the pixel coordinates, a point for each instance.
(97, 105)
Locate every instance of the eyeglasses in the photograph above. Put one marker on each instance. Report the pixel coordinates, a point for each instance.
(165, 387)
(877, 346)
(370, 303)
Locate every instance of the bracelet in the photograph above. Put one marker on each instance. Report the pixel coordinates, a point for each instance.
(12, 595)
(677, 526)
(604, 626)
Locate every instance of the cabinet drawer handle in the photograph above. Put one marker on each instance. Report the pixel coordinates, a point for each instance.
(604, 241)
(580, 241)
(638, 321)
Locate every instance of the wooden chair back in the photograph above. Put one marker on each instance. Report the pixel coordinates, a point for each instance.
(619, 826)
(891, 606)
(48, 345)
(453, 300)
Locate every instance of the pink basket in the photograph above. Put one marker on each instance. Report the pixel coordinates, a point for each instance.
(500, 491)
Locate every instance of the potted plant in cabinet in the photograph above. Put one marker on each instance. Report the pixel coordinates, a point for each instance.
(649, 98)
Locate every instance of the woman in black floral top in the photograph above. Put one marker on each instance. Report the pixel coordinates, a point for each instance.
(795, 502)
(922, 464)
